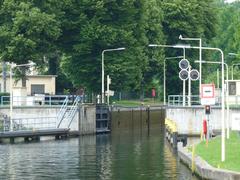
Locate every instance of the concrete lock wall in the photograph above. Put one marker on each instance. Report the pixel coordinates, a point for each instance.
(84, 120)
(189, 119)
(87, 119)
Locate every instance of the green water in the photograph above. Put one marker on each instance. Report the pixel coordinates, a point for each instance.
(123, 155)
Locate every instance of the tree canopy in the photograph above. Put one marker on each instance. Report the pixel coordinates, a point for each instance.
(69, 37)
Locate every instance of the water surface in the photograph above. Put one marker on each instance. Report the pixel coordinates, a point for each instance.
(122, 155)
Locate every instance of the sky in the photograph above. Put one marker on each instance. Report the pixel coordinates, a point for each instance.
(229, 1)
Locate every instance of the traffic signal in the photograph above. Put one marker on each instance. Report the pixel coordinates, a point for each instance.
(207, 109)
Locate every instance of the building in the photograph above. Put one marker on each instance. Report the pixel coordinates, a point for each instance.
(36, 84)
(234, 91)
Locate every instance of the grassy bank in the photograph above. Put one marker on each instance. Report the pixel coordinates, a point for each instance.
(212, 152)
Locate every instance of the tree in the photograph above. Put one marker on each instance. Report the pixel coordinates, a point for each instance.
(111, 24)
(191, 18)
(26, 32)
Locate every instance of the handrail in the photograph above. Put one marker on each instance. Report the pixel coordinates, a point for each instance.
(177, 100)
(31, 100)
(73, 110)
(62, 111)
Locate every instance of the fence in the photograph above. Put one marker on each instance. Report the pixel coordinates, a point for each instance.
(39, 100)
(28, 123)
(178, 100)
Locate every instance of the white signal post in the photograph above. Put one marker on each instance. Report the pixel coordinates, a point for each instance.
(227, 92)
(200, 56)
(108, 83)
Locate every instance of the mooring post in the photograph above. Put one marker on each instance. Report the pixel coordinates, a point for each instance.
(12, 140)
(148, 118)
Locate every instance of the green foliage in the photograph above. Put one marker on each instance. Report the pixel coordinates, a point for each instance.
(68, 37)
(193, 19)
(26, 31)
(111, 24)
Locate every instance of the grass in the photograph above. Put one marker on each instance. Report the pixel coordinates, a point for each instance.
(137, 103)
(212, 152)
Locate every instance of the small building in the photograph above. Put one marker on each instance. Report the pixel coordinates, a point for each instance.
(35, 84)
(234, 91)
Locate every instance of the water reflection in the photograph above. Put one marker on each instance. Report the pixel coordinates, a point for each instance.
(120, 155)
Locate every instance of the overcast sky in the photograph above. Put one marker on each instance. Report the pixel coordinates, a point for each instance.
(229, 1)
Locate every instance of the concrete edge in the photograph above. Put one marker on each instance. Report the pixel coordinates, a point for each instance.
(203, 169)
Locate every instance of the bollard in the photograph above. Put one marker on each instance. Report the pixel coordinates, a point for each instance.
(193, 159)
(175, 139)
(11, 140)
(148, 118)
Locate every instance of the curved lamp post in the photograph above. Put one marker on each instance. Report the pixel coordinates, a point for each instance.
(106, 50)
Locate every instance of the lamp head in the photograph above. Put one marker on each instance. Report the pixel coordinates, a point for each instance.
(122, 48)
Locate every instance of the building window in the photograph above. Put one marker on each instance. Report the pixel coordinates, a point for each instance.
(37, 89)
(232, 88)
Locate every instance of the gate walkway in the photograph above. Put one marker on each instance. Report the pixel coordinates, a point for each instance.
(34, 127)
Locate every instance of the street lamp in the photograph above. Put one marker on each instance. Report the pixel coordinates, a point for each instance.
(164, 76)
(12, 65)
(200, 57)
(227, 90)
(106, 50)
(223, 98)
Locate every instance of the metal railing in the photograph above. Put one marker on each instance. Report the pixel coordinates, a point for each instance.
(36, 100)
(177, 100)
(62, 111)
(67, 113)
(30, 123)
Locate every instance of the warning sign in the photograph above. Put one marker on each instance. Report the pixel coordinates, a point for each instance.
(208, 94)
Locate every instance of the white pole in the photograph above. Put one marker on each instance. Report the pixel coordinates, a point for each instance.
(223, 123)
(11, 98)
(102, 101)
(189, 87)
(106, 50)
(184, 92)
(200, 66)
(164, 82)
(218, 78)
(227, 91)
(184, 57)
(108, 89)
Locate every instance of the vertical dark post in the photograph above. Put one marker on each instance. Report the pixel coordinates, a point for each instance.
(12, 140)
(132, 120)
(175, 139)
(141, 117)
(148, 118)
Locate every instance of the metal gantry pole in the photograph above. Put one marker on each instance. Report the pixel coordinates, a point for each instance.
(227, 92)
(164, 82)
(189, 87)
(102, 101)
(11, 98)
(200, 65)
(184, 83)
